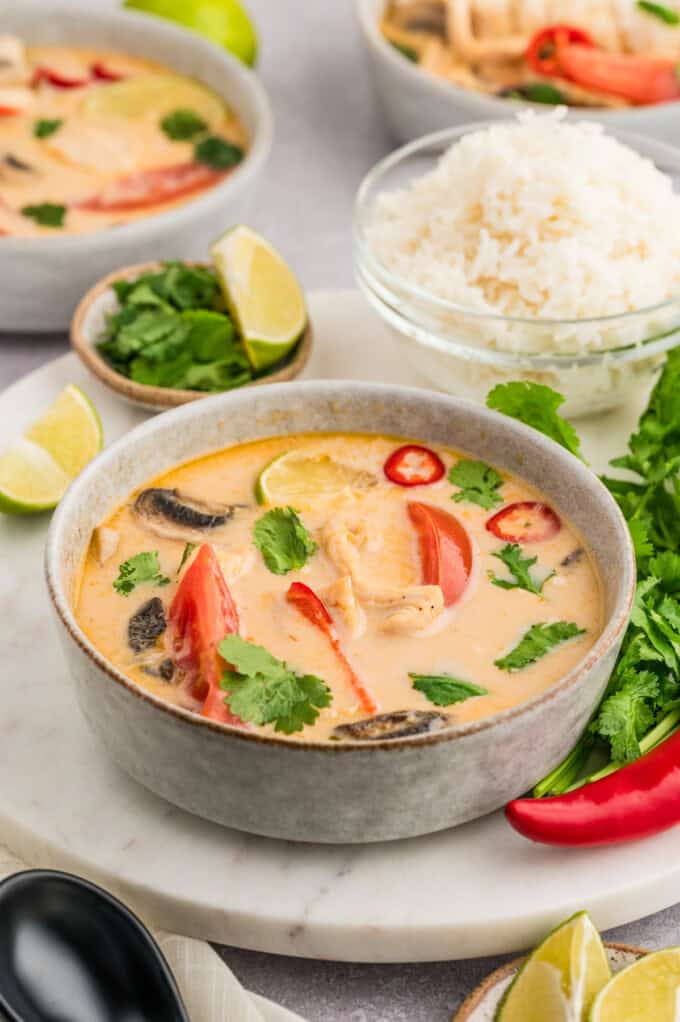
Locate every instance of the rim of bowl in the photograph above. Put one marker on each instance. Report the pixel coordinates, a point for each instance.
(366, 13)
(256, 155)
(58, 537)
(160, 398)
(396, 286)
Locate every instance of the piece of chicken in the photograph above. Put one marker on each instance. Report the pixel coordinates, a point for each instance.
(340, 594)
(14, 69)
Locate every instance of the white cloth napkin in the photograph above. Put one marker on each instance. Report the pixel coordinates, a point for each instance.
(210, 991)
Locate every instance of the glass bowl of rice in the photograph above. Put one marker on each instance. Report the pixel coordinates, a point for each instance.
(536, 249)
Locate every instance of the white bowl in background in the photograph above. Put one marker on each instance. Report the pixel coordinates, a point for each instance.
(42, 279)
(417, 102)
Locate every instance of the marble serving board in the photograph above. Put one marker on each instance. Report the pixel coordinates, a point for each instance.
(476, 890)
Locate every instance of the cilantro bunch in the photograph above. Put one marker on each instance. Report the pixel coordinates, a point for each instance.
(172, 330)
(641, 705)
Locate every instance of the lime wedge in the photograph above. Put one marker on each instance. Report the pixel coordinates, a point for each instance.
(648, 989)
(294, 476)
(154, 95)
(224, 22)
(262, 293)
(562, 977)
(37, 468)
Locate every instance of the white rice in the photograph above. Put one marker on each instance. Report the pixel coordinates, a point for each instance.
(538, 218)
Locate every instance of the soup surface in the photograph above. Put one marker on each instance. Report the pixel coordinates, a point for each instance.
(90, 139)
(416, 586)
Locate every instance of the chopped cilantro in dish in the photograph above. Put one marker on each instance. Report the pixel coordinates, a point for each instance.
(264, 690)
(47, 214)
(444, 689)
(183, 125)
(660, 11)
(540, 639)
(137, 570)
(217, 152)
(44, 127)
(520, 569)
(283, 540)
(478, 483)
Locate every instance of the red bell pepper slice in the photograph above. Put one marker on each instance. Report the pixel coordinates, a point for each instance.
(310, 606)
(445, 550)
(152, 187)
(9, 111)
(542, 51)
(635, 802)
(102, 73)
(526, 521)
(200, 616)
(55, 78)
(640, 80)
(413, 465)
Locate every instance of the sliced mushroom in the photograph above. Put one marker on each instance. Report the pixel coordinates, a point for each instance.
(573, 558)
(146, 625)
(177, 515)
(400, 724)
(16, 163)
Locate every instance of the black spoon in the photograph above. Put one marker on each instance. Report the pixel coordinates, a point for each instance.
(70, 952)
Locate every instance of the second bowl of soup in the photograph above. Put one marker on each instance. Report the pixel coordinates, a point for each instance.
(359, 612)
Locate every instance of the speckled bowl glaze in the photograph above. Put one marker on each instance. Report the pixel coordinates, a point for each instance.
(42, 279)
(328, 792)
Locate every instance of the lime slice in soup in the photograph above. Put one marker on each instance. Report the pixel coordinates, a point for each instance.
(36, 469)
(262, 293)
(224, 22)
(561, 978)
(155, 95)
(648, 989)
(295, 476)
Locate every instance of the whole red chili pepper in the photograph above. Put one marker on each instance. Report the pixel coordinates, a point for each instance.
(637, 801)
(310, 606)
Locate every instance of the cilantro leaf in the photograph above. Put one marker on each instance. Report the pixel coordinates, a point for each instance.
(283, 540)
(628, 714)
(182, 125)
(660, 11)
(264, 690)
(519, 567)
(406, 51)
(186, 554)
(536, 92)
(536, 642)
(136, 570)
(47, 214)
(536, 405)
(44, 127)
(478, 482)
(444, 689)
(218, 153)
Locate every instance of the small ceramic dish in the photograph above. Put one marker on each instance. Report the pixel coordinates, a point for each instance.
(482, 1004)
(88, 323)
(42, 279)
(416, 101)
(322, 791)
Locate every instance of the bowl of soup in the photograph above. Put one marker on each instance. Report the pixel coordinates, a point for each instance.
(332, 611)
(122, 138)
(439, 64)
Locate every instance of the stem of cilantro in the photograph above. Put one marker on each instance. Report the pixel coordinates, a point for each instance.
(563, 776)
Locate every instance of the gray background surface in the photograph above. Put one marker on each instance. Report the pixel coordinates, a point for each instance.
(328, 134)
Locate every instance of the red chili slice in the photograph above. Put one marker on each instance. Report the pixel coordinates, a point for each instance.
(413, 465)
(9, 111)
(55, 78)
(310, 606)
(445, 550)
(103, 73)
(527, 521)
(152, 187)
(640, 80)
(542, 51)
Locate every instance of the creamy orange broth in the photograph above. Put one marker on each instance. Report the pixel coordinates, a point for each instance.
(464, 641)
(91, 151)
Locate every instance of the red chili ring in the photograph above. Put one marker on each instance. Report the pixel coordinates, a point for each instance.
(413, 465)
(526, 521)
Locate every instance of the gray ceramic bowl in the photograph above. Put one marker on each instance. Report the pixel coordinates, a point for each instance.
(323, 791)
(417, 102)
(42, 279)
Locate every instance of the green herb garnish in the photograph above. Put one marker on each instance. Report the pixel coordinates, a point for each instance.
(44, 127)
(186, 554)
(218, 153)
(283, 540)
(47, 214)
(137, 570)
(665, 14)
(536, 642)
(406, 51)
(182, 125)
(172, 330)
(478, 482)
(520, 569)
(537, 92)
(264, 690)
(444, 689)
(536, 405)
